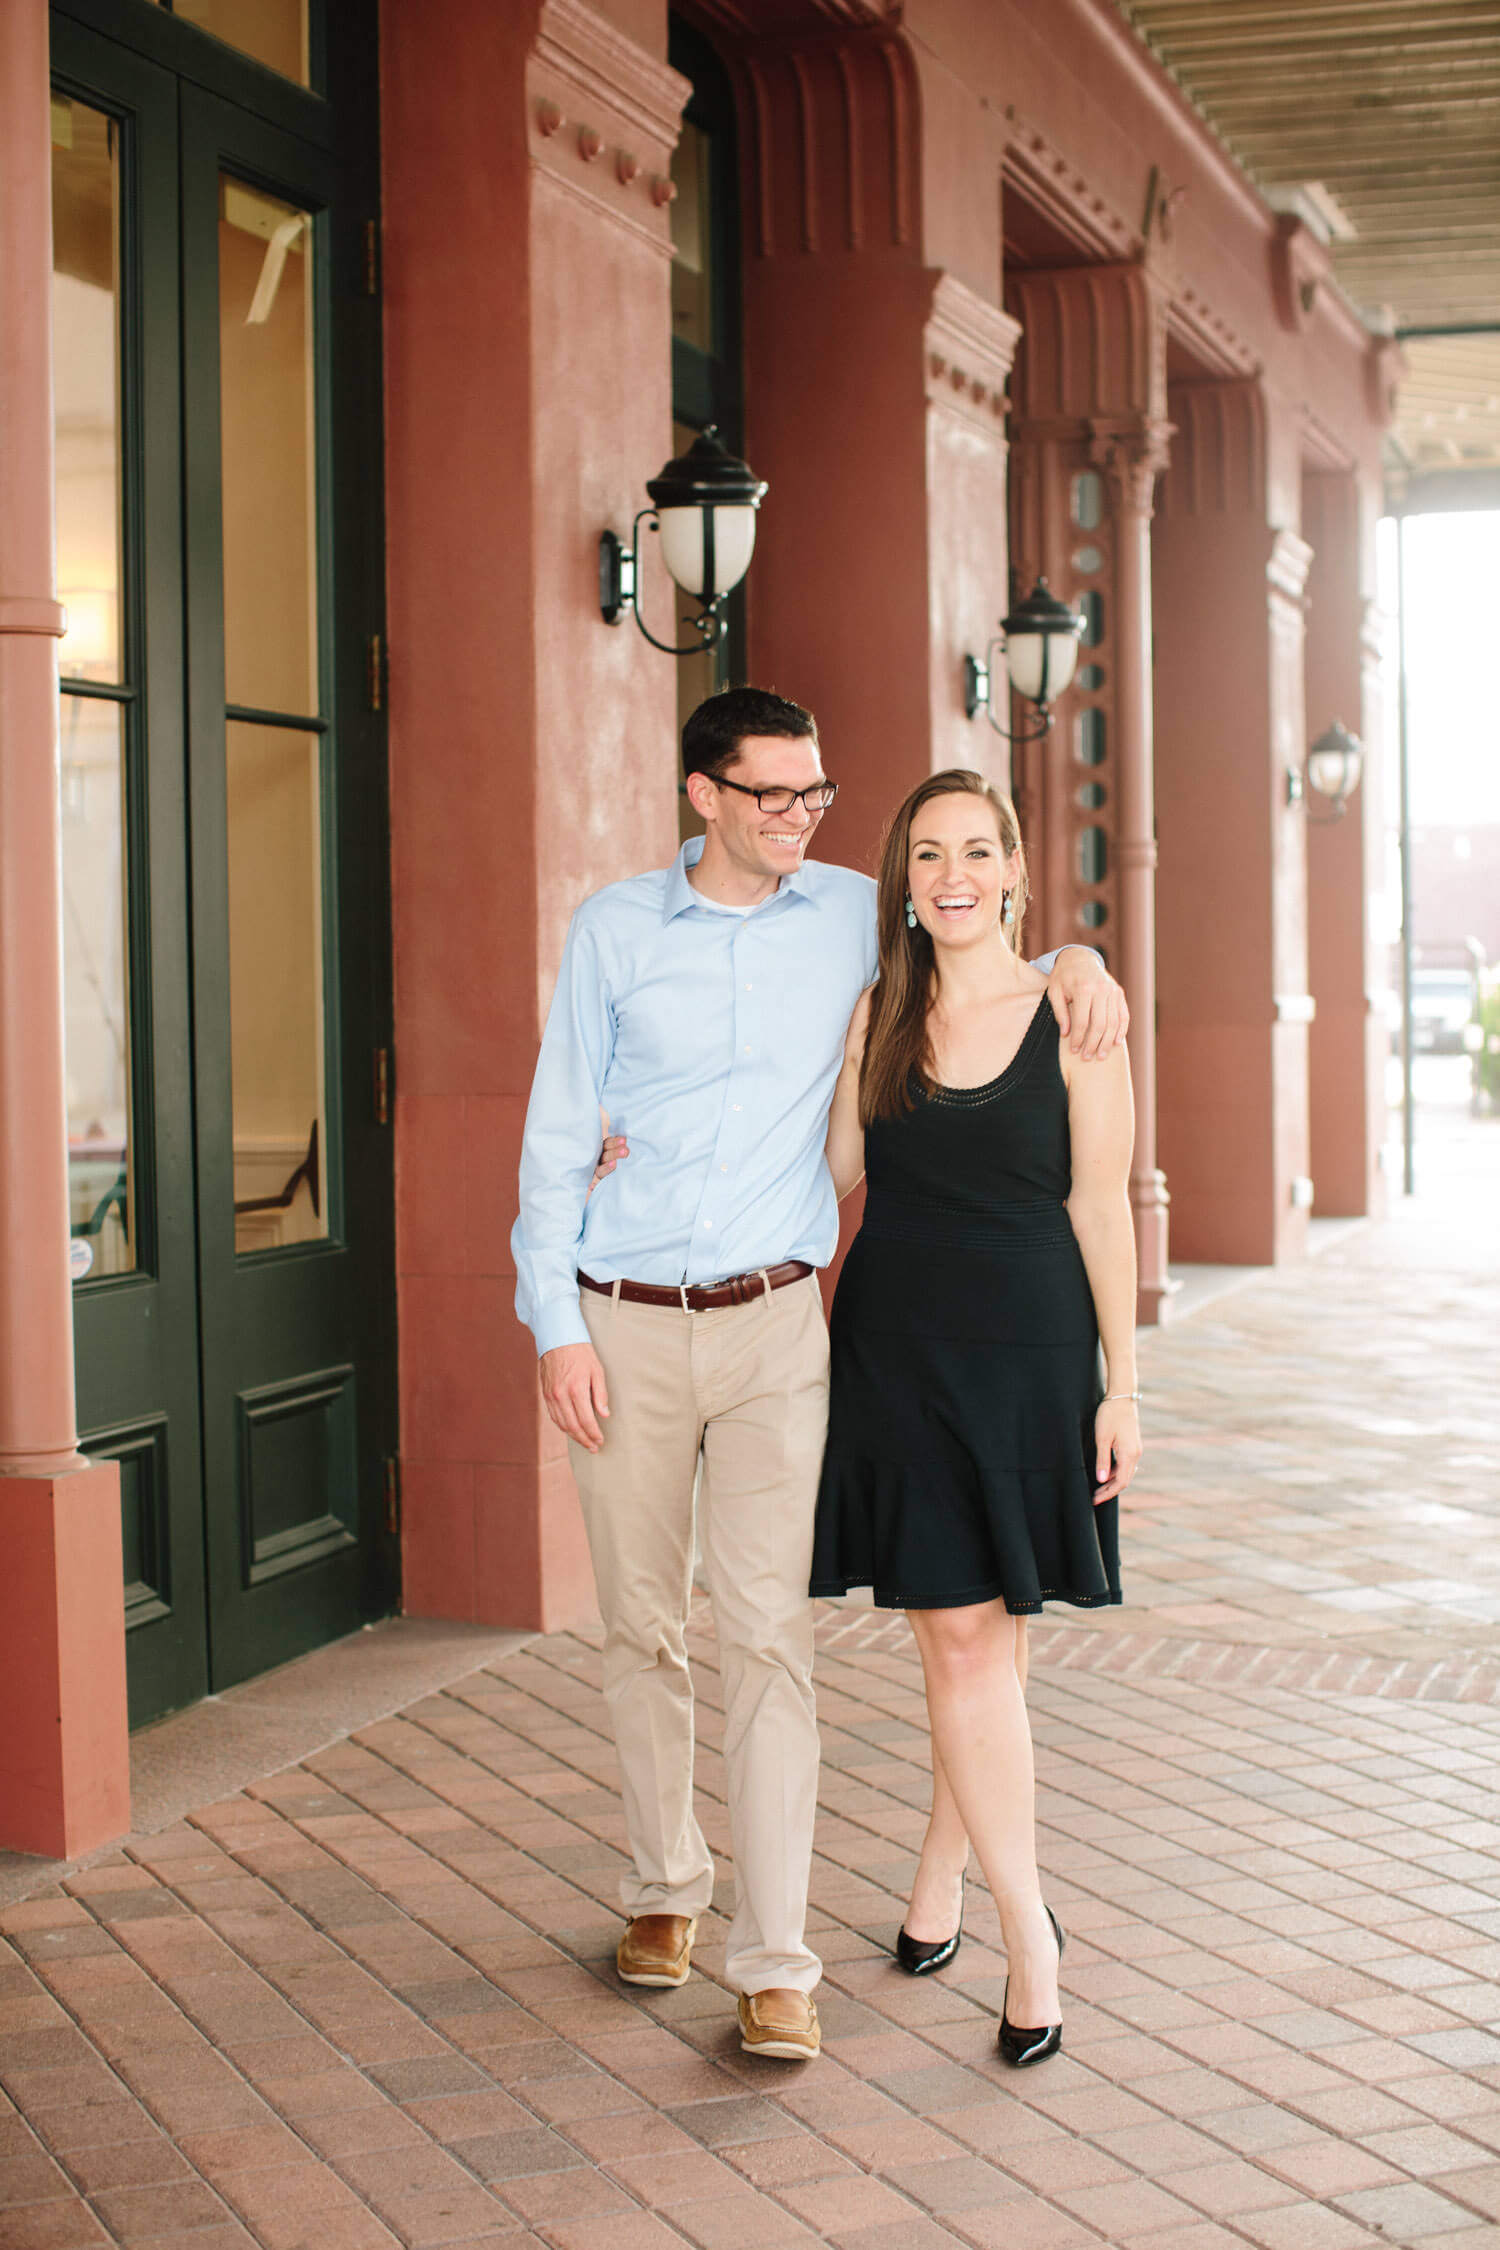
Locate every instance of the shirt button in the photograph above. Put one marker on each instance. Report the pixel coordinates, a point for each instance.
(749, 988)
(723, 1167)
(708, 1226)
(747, 1050)
(736, 1107)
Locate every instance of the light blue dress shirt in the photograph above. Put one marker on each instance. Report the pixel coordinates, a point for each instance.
(713, 1040)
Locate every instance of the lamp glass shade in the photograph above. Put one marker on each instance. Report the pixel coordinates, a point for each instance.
(1041, 645)
(1041, 664)
(684, 547)
(1334, 763)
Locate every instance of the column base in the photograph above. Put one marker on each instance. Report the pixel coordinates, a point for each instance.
(65, 1751)
(1153, 1304)
(1150, 1202)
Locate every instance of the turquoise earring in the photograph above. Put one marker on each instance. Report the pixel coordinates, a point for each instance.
(1009, 914)
(911, 913)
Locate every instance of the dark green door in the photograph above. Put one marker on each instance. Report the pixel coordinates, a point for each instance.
(228, 1000)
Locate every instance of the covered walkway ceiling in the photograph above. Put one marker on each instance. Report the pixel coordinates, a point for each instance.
(1385, 114)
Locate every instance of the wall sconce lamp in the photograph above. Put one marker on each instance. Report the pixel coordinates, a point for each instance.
(703, 505)
(1334, 764)
(1039, 640)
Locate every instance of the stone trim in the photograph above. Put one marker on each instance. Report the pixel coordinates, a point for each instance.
(604, 117)
(969, 346)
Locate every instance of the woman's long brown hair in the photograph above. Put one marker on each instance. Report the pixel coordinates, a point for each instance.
(897, 1043)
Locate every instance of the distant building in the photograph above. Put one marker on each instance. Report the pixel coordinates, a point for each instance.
(1456, 887)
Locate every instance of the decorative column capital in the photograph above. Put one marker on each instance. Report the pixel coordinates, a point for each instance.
(1132, 456)
(610, 93)
(970, 346)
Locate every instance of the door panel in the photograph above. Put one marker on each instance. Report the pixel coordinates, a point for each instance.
(218, 440)
(124, 821)
(281, 943)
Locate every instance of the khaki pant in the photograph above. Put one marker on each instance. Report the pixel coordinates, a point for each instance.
(747, 1387)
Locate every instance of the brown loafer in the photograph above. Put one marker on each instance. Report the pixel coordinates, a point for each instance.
(657, 1949)
(779, 2022)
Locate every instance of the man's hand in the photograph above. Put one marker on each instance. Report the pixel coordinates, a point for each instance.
(1088, 1004)
(574, 1393)
(611, 1150)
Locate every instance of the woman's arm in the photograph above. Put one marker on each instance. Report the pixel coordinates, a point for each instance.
(1101, 1124)
(846, 1136)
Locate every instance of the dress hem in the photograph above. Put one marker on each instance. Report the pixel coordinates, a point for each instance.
(824, 1590)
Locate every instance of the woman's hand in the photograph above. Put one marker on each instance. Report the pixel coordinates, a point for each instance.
(613, 1147)
(1117, 1440)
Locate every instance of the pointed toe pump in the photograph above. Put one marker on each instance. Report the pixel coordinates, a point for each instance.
(919, 1956)
(1023, 2045)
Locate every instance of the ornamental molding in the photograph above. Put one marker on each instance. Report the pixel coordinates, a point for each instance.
(599, 65)
(1385, 365)
(1221, 466)
(1095, 342)
(1323, 449)
(969, 346)
(1210, 338)
(33, 613)
(1300, 269)
(832, 120)
(604, 118)
(1287, 566)
(1374, 636)
(1132, 455)
(1052, 181)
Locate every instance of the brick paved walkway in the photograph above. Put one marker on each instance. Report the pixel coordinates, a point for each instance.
(368, 2001)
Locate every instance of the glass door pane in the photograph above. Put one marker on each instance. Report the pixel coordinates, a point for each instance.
(96, 703)
(276, 984)
(268, 409)
(96, 976)
(274, 32)
(86, 385)
(273, 733)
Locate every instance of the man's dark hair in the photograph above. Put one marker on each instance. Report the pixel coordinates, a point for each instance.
(712, 737)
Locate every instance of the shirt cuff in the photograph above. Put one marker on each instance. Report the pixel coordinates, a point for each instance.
(559, 1323)
(1047, 962)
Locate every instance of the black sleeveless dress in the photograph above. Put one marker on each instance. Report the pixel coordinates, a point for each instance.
(965, 1370)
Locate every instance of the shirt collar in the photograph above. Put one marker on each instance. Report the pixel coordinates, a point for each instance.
(679, 893)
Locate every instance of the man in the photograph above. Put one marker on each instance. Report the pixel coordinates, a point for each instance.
(677, 1314)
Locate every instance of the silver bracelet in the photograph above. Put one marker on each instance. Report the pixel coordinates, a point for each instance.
(1118, 1394)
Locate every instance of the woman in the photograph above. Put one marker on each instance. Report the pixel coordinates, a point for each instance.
(974, 1460)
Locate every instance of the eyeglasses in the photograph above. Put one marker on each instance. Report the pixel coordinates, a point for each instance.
(817, 798)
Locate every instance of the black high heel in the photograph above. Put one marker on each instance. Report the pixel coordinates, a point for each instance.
(919, 1956)
(1020, 2045)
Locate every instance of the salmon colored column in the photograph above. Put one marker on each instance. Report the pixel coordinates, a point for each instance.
(1229, 575)
(1132, 462)
(527, 247)
(1090, 409)
(1347, 1043)
(64, 1763)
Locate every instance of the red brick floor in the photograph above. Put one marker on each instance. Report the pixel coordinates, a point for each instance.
(368, 2001)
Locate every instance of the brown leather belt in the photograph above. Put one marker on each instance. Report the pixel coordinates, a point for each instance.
(739, 1289)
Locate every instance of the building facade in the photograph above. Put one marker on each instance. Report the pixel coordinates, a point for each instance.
(333, 339)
